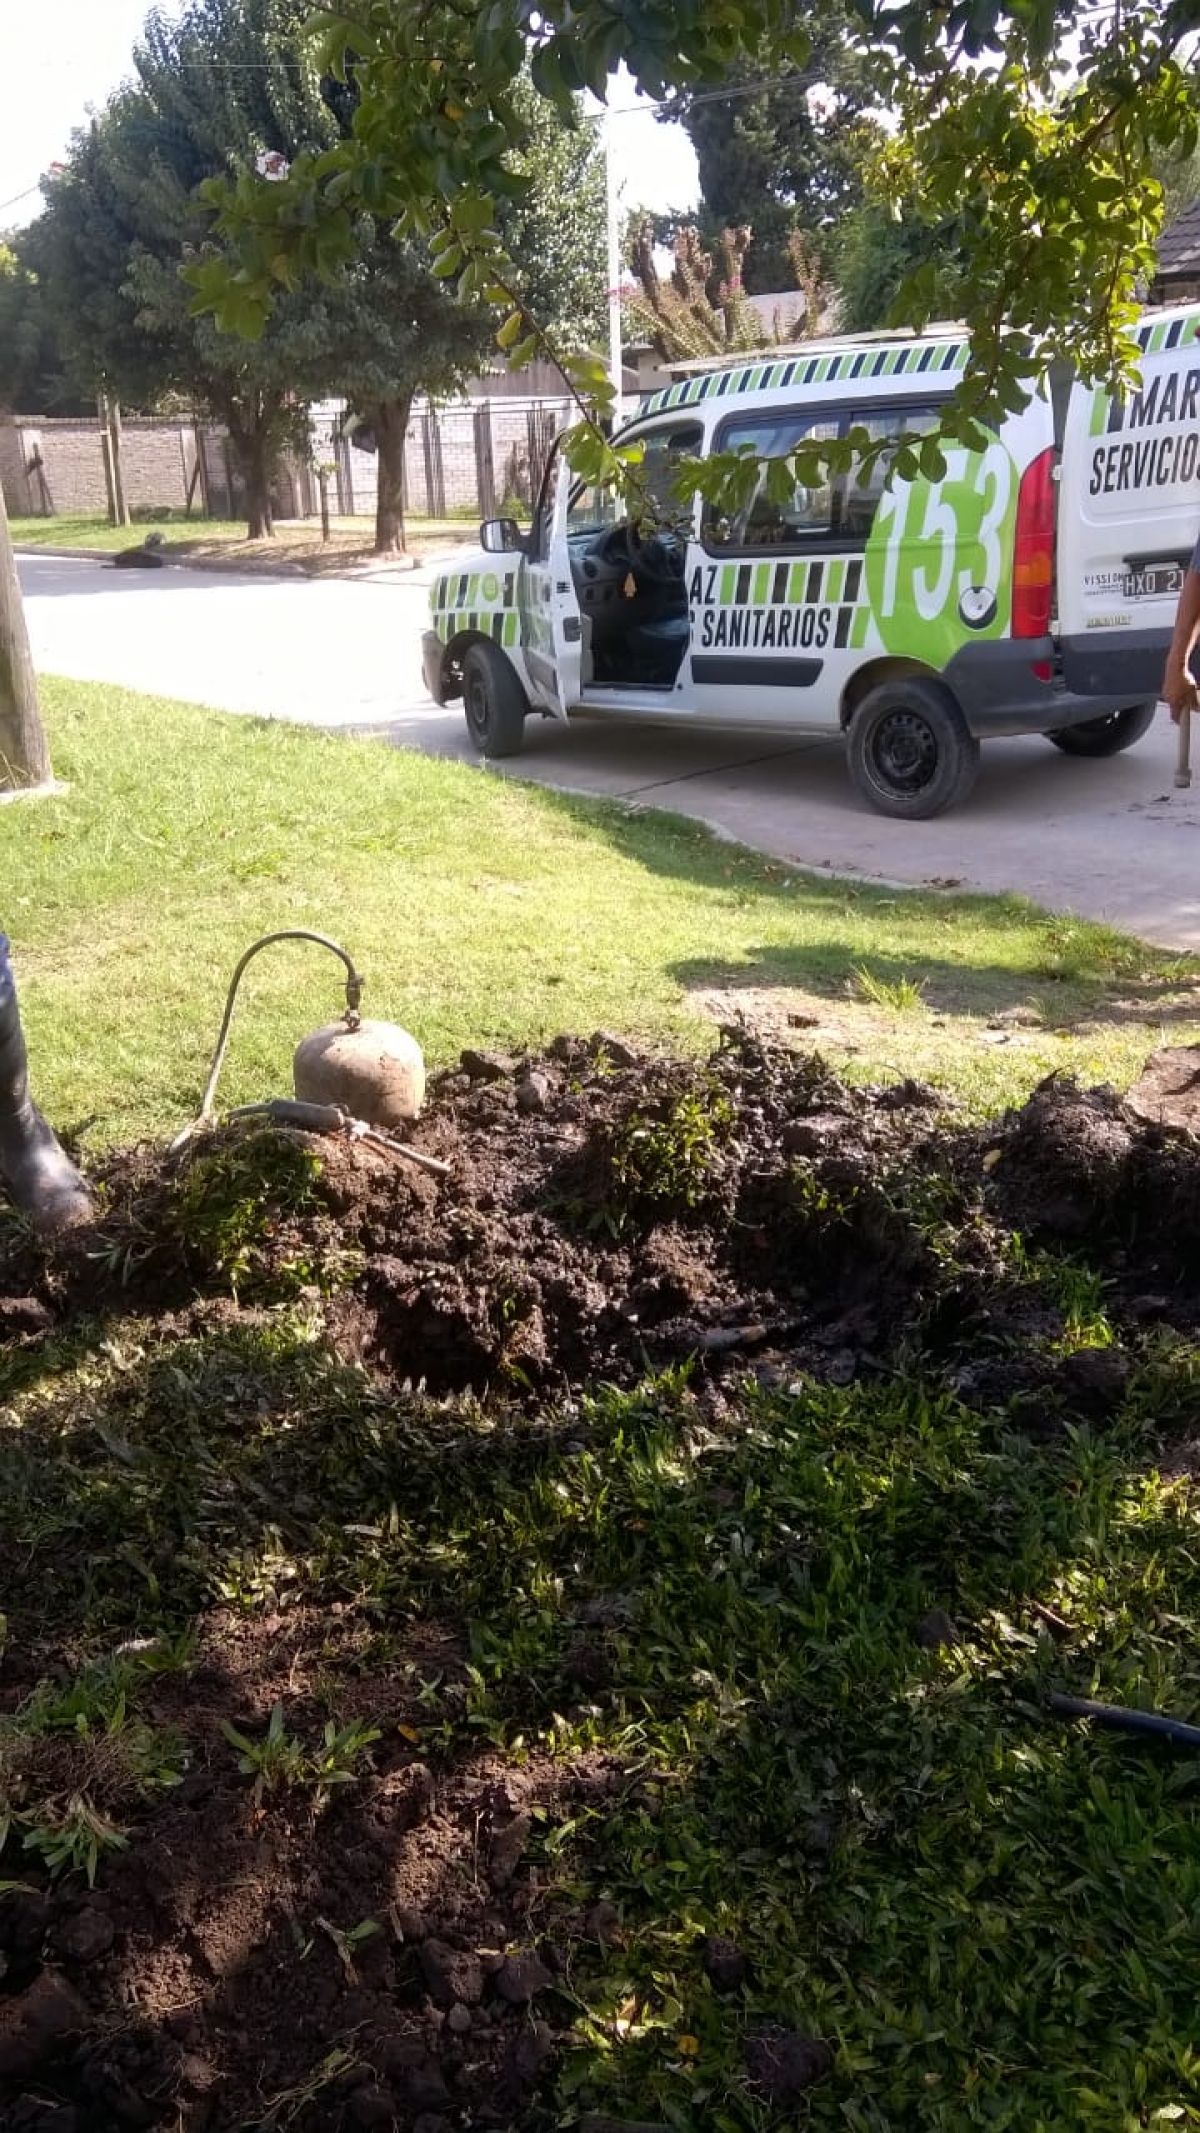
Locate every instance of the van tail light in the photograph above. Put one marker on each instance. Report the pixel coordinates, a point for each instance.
(1033, 549)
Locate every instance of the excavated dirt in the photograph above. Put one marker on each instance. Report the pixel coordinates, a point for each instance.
(604, 1215)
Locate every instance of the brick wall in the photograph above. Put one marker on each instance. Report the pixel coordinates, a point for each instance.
(158, 467)
(471, 455)
(157, 457)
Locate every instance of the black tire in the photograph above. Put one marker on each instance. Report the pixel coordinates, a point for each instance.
(910, 752)
(1106, 736)
(494, 701)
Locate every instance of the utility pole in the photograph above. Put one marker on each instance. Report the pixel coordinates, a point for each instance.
(24, 755)
(616, 353)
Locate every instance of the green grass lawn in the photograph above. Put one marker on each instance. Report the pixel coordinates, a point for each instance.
(486, 912)
(295, 539)
(83, 529)
(989, 1916)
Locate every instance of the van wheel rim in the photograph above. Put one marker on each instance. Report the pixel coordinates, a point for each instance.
(476, 705)
(904, 752)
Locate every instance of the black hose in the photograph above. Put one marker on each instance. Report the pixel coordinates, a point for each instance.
(1124, 1720)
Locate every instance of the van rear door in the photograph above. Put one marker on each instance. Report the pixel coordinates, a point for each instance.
(1129, 514)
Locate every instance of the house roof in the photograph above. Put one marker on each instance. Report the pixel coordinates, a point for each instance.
(1179, 248)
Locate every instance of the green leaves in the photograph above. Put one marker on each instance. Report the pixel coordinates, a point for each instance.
(1043, 176)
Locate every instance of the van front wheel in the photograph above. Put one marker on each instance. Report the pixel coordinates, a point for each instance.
(1106, 736)
(910, 752)
(494, 701)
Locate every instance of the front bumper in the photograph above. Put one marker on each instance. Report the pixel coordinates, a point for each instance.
(1000, 692)
(433, 663)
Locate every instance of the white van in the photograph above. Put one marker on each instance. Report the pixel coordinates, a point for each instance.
(917, 618)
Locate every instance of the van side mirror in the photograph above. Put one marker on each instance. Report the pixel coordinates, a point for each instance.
(501, 536)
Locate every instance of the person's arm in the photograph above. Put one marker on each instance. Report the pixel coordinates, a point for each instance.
(1178, 686)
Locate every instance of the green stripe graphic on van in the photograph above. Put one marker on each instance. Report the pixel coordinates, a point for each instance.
(872, 359)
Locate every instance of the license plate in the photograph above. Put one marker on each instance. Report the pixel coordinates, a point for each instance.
(1156, 581)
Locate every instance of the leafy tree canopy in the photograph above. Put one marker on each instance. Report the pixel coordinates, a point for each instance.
(234, 85)
(1033, 121)
(34, 375)
(784, 154)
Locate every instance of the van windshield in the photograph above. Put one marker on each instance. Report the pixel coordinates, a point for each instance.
(594, 506)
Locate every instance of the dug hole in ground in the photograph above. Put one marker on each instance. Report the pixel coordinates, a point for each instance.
(559, 1644)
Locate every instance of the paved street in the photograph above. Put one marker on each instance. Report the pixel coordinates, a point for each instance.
(1112, 840)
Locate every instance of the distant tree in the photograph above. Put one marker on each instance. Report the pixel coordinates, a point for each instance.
(789, 158)
(555, 230)
(226, 85)
(386, 329)
(1179, 176)
(233, 88)
(34, 374)
(881, 254)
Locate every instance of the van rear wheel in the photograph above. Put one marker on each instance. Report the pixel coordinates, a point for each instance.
(494, 701)
(1106, 736)
(911, 754)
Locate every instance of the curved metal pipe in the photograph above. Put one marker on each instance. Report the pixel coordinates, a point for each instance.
(354, 991)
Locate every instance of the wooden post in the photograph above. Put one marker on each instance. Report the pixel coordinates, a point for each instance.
(114, 430)
(24, 755)
(485, 462)
(110, 447)
(106, 456)
(202, 468)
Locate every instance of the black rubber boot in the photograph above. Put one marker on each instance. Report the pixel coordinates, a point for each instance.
(42, 1180)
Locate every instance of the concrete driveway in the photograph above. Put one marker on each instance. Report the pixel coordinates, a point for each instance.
(1111, 840)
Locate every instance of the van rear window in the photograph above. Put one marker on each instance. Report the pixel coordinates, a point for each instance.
(838, 514)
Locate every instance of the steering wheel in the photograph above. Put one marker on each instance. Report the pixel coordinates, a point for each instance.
(658, 561)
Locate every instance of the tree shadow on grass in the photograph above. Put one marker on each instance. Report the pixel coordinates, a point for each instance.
(1053, 961)
(757, 1663)
(1057, 990)
(753, 1654)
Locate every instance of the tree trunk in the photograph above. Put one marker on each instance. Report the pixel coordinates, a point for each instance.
(251, 425)
(389, 420)
(256, 471)
(24, 756)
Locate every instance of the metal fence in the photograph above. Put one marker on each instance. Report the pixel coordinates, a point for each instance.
(480, 458)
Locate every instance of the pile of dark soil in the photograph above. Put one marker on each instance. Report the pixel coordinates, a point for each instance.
(605, 1216)
(608, 1214)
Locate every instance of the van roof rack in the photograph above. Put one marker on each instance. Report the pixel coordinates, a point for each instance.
(937, 330)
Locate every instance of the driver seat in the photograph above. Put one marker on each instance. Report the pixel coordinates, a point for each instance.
(656, 648)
